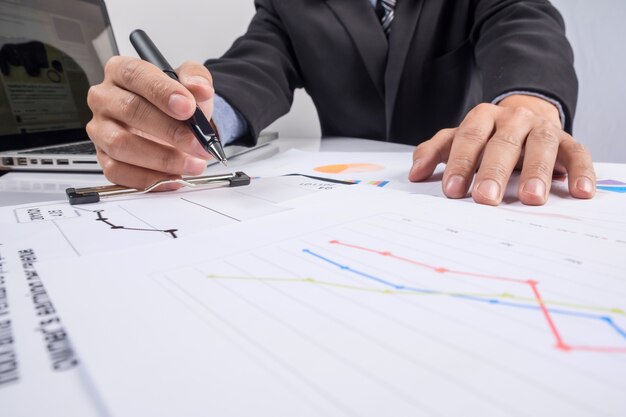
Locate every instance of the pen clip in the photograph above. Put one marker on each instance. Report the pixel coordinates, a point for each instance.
(95, 194)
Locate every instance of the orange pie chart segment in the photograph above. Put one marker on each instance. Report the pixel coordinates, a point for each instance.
(349, 168)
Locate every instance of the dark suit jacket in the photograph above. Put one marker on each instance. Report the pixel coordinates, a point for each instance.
(442, 58)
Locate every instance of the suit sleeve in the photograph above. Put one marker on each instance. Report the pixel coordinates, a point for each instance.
(259, 73)
(520, 45)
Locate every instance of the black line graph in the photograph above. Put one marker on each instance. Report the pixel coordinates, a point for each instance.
(101, 218)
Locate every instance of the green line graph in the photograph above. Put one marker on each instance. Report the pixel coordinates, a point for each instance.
(386, 291)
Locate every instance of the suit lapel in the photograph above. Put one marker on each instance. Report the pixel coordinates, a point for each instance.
(358, 18)
(402, 35)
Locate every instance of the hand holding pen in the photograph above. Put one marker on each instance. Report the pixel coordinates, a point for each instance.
(198, 123)
(141, 122)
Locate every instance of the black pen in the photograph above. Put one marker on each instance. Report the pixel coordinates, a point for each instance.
(198, 123)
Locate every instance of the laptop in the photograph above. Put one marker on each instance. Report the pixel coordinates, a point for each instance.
(51, 52)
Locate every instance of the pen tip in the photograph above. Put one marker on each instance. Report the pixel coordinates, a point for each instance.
(224, 163)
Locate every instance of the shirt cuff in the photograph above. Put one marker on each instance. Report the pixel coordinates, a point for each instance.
(556, 103)
(230, 124)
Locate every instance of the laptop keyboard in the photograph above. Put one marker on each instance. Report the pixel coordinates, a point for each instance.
(83, 148)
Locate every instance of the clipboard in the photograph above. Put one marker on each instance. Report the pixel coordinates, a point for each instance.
(89, 195)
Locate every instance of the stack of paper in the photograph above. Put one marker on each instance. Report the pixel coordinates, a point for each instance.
(298, 296)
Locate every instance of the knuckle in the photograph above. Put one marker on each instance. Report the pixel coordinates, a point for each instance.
(576, 148)
(507, 139)
(94, 98)
(539, 168)
(115, 143)
(483, 108)
(584, 170)
(194, 67)
(588, 172)
(462, 163)
(475, 134)
(440, 153)
(578, 156)
(168, 163)
(100, 155)
(523, 112)
(137, 77)
(99, 98)
(446, 134)
(159, 88)
(544, 135)
(112, 65)
(179, 133)
(421, 151)
(109, 165)
(495, 171)
(130, 71)
(92, 129)
(422, 147)
(143, 179)
(130, 107)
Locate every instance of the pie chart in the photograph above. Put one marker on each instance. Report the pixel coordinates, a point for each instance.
(349, 168)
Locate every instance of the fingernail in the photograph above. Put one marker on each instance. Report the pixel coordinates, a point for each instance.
(489, 189)
(584, 184)
(535, 187)
(194, 166)
(196, 79)
(180, 105)
(455, 187)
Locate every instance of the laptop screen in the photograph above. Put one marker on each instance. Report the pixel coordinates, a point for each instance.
(51, 52)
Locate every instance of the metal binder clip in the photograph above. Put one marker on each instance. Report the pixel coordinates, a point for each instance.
(94, 194)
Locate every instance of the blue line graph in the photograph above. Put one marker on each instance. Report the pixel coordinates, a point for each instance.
(558, 311)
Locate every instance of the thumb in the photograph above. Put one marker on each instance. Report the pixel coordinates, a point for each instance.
(429, 154)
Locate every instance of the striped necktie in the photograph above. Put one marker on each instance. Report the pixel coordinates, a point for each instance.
(385, 11)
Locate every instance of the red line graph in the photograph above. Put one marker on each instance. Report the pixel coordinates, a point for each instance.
(532, 284)
(560, 344)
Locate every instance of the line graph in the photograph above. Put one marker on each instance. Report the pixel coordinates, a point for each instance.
(497, 300)
(603, 316)
(483, 298)
(491, 298)
(135, 221)
(530, 297)
(293, 290)
(408, 310)
(105, 220)
(532, 284)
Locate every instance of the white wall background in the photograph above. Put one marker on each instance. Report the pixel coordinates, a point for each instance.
(201, 29)
(597, 31)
